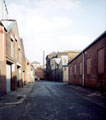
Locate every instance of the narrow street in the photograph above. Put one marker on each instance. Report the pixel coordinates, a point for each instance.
(59, 101)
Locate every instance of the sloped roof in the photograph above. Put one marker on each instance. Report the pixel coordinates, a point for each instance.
(10, 26)
(3, 26)
(95, 41)
(35, 62)
(53, 54)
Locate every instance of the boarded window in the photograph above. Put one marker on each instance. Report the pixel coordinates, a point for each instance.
(80, 68)
(71, 71)
(88, 65)
(74, 69)
(101, 60)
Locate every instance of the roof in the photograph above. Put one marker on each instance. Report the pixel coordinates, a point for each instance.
(68, 51)
(3, 26)
(10, 26)
(55, 54)
(51, 55)
(95, 41)
(35, 62)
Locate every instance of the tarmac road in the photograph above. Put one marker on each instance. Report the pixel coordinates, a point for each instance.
(59, 101)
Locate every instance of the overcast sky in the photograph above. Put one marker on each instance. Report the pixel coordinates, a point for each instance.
(57, 25)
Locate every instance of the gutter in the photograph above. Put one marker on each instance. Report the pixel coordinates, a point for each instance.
(96, 40)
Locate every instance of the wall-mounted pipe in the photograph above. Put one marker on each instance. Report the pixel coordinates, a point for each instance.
(83, 69)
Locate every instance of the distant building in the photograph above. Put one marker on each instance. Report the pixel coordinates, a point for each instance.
(30, 72)
(88, 68)
(36, 65)
(41, 73)
(48, 65)
(55, 62)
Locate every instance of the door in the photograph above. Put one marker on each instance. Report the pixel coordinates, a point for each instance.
(17, 77)
(8, 78)
(65, 74)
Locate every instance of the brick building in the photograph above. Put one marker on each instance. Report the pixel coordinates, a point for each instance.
(53, 71)
(49, 57)
(14, 70)
(41, 73)
(2, 59)
(36, 65)
(88, 68)
(28, 71)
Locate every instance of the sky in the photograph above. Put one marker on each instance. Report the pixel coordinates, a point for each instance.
(57, 25)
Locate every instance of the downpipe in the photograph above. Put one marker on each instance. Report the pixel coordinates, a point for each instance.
(83, 68)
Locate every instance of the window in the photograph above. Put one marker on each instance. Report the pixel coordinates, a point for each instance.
(88, 65)
(15, 49)
(80, 68)
(74, 69)
(19, 51)
(101, 60)
(12, 48)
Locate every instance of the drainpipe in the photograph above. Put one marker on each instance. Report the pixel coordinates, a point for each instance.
(83, 69)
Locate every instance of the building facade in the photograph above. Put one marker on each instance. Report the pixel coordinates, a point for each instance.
(56, 63)
(2, 59)
(36, 65)
(14, 70)
(89, 67)
(41, 73)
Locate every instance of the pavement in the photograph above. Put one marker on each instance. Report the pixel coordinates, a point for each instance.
(89, 91)
(16, 97)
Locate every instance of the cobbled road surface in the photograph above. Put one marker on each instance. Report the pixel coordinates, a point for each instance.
(59, 101)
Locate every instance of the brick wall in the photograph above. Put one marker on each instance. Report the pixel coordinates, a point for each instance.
(41, 74)
(90, 69)
(28, 72)
(2, 61)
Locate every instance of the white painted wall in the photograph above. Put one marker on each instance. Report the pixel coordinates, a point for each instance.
(8, 78)
(65, 74)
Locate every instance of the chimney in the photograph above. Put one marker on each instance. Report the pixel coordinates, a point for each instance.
(43, 59)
